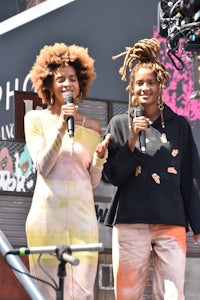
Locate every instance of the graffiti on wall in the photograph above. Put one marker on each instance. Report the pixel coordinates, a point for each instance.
(177, 93)
(17, 172)
(105, 233)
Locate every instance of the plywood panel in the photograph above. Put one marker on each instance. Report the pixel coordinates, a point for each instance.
(10, 287)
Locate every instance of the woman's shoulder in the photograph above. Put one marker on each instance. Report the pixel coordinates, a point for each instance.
(120, 119)
(36, 117)
(35, 113)
(92, 124)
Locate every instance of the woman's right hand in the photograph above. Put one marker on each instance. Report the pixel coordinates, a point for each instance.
(69, 110)
(138, 124)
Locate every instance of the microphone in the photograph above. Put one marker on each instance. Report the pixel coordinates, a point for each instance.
(87, 247)
(71, 259)
(142, 135)
(70, 120)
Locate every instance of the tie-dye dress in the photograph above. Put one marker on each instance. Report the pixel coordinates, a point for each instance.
(62, 210)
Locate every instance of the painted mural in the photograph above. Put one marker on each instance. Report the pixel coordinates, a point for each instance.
(177, 93)
(17, 172)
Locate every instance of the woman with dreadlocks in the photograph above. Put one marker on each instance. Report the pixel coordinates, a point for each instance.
(158, 184)
(68, 168)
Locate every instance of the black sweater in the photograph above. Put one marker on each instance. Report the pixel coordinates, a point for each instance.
(161, 186)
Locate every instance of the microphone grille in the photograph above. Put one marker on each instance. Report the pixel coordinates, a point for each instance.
(140, 111)
(68, 98)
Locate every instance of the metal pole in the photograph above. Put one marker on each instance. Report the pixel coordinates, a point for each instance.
(27, 282)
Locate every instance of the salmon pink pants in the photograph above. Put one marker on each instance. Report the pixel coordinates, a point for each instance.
(131, 250)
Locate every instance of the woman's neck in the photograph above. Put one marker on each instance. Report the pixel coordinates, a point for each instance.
(152, 114)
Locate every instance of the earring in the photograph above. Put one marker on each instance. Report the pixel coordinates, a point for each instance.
(161, 108)
(52, 100)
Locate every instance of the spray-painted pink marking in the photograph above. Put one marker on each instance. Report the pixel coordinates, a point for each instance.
(177, 93)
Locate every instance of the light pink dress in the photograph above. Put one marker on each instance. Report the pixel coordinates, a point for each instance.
(62, 210)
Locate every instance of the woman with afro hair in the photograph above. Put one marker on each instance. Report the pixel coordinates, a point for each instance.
(69, 167)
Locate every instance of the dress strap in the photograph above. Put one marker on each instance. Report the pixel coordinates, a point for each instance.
(83, 122)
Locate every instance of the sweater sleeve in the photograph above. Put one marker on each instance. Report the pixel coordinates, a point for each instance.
(96, 168)
(121, 160)
(43, 153)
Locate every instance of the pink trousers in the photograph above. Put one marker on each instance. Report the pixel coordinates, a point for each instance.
(131, 250)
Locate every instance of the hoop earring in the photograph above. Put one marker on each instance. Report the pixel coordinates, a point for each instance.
(52, 100)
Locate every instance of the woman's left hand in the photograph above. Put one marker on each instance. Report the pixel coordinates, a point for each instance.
(101, 147)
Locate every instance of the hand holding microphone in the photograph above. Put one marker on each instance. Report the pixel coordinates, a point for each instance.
(142, 134)
(70, 120)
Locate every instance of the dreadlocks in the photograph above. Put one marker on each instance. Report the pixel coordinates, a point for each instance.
(144, 54)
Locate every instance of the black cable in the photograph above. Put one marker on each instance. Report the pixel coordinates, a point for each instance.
(31, 276)
(45, 271)
(170, 53)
